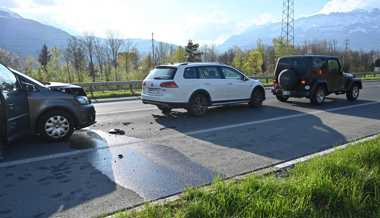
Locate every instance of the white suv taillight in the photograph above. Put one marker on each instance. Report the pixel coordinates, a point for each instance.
(169, 85)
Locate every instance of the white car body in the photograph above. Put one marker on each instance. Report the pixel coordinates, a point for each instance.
(190, 78)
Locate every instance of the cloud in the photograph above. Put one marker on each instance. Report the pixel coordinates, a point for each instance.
(168, 19)
(349, 5)
(8, 3)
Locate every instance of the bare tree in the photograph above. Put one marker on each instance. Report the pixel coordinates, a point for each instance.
(89, 44)
(128, 45)
(114, 45)
(101, 56)
(76, 53)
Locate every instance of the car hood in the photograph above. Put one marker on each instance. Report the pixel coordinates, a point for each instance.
(61, 85)
(66, 88)
(348, 75)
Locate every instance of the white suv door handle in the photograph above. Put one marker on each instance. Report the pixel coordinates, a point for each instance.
(207, 84)
(230, 83)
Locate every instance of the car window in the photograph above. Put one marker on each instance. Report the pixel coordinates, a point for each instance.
(191, 73)
(333, 66)
(229, 73)
(209, 73)
(298, 64)
(320, 65)
(162, 73)
(8, 81)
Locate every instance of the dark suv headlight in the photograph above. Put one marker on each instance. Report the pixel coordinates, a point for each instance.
(83, 100)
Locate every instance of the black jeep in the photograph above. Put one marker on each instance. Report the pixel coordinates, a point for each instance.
(313, 77)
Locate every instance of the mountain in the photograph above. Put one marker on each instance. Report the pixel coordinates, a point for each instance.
(361, 27)
(25, 37)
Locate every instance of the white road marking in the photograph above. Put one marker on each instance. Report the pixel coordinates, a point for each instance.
(127, 111)
(298, 115)
(46, 157)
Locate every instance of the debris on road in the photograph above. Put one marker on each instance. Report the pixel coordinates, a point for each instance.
(120, 156)
(116, 132)
(165, 128)
(126, 123)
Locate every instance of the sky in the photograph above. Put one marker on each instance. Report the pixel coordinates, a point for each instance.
(175, 21)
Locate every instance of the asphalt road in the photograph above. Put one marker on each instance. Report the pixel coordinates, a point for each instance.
(162, 155)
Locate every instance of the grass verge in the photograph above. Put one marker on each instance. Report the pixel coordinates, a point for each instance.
(112, 94)
(343, 184)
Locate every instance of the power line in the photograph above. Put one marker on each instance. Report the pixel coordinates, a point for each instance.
(287, 28)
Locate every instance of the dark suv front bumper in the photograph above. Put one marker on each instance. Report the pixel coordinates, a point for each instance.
(87, 116)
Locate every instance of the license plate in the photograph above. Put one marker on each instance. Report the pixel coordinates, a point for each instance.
(285, 92)
(154, 91)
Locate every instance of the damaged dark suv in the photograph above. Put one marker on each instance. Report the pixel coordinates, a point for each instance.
(52, 110)
(313, 77)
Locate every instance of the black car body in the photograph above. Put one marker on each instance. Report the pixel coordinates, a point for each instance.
(314, 77)
(52, 110)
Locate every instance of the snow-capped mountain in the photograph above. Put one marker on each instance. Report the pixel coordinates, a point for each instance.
(361, 27)
(26, 37)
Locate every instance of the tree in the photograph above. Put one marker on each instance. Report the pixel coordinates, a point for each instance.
(227, 57)
(76, 53)
(178, 56)
(253, 62)
(128, 44)
(89, 43)
(192, 53)
(377, 63)
(44, 58)
(114, 46)
(101, 56)
(209, 53)
(10, 59)
(281, 49)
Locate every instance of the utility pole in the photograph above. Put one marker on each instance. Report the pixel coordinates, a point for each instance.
(153, 55)
(287, 28)
(347, 45)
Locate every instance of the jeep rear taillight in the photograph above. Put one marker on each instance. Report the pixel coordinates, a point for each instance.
(169, 85)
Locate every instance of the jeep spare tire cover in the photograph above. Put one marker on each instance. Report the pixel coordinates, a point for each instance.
(288, 79)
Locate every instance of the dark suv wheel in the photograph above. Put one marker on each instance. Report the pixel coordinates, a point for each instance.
(56, 126)
(353, 93)
(282, 98)
(198, 105)
(319, 96)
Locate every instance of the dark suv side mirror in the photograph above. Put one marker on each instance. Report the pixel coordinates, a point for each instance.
(29, 87)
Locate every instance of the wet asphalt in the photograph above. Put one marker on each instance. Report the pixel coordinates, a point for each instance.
(97, 173)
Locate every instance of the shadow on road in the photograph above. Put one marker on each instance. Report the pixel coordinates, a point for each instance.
(280, 133)
(48, 187)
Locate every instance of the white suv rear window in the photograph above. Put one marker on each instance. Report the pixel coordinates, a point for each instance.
(162, 73)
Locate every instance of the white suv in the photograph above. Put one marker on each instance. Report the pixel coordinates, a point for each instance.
(197, 86)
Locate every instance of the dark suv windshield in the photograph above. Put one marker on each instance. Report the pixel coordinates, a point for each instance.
(162, 73)
(298, 64)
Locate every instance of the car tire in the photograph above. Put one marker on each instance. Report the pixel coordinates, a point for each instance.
(353, 93)
(165, 110)
(282, 98)
(257, 97)
(319, 96)
(198, 105)
(56, 126)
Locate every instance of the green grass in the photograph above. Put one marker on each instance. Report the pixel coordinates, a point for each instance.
(343, 184)
(112, 94)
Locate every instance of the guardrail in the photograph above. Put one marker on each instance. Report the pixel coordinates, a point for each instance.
(135, 85)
